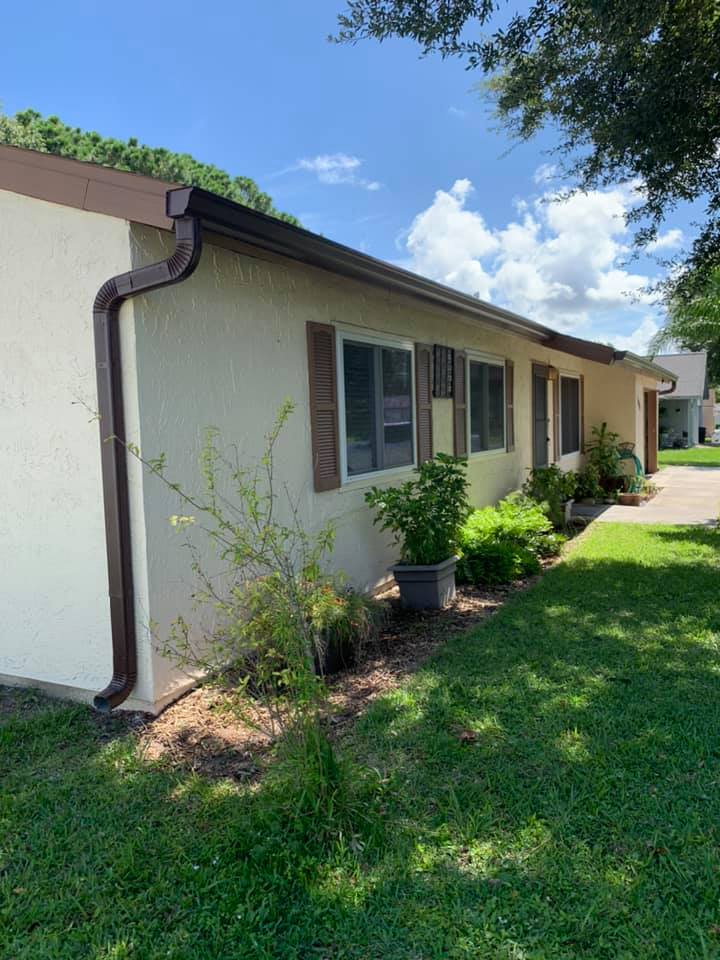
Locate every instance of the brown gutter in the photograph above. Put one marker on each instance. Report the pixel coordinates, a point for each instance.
(106, 313)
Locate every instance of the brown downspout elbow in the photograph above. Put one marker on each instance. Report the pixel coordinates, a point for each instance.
(106, 312)
(671, 389)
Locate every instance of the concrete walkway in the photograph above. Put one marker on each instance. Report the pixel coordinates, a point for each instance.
(686, 495)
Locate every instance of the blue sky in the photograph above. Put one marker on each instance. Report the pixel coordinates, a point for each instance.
(370, 145)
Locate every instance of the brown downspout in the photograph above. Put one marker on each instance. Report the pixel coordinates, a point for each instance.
(671, 389)
(106, 312)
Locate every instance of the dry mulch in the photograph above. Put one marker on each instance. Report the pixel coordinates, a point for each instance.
(202, 732)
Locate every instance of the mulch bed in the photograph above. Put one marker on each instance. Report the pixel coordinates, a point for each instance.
(202, 732)
(205, 732)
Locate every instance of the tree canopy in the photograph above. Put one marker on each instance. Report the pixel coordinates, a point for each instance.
(694, 323)
(632, 88)
(30, 129)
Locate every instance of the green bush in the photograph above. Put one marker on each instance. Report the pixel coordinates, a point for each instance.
(495, 562)
(502, 543)
(588, 484)
(603, 455)
(425, 514)
(551, 487)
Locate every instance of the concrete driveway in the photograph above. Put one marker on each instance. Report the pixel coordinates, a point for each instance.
(686, 495)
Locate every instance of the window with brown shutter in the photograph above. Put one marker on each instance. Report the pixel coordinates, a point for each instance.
(322, 368)
(378, 412)
(509, 405)
(460, 404)
(423, 401)
(582, 414)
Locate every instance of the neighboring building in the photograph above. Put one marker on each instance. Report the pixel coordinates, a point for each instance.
(689, 406)
(386, 368)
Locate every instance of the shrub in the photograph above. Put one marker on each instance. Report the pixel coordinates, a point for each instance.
(499, 544)
(425, 514)
(495, 562)
(588, 484)
(274, 610)
(551, 487)
(604, 456)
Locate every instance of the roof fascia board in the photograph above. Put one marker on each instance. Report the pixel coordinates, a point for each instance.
(627, 359)
(229, 219)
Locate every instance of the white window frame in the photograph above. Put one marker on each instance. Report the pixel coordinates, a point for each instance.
(385, 340)
(569, 375)
(495, 361)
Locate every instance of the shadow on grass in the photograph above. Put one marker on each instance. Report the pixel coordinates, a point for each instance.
(547, 789)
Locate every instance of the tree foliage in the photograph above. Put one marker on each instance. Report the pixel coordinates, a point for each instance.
(694, 324)
(631, 87)
(49, 134)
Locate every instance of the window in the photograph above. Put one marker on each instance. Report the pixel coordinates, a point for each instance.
(377, 382)
(569, 415)
(487, 406)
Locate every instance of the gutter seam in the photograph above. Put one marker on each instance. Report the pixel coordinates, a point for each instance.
(113, 454)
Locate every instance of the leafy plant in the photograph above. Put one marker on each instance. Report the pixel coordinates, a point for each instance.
(604, 456)
(501, 543)
(551, 487)
(495, 563)
(273, 607)
(587, 485)
(425, 513)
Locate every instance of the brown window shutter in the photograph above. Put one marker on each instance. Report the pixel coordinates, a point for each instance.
(423, 401)
(460, 403)
(509, 405)
(322, 367)
(582, 413)
(556, 417)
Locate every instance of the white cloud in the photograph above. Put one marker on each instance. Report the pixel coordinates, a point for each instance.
(457, 112)
(545, 172)
(559, 262)
(638, 340)
(447, 242)
(669, 240)
(335, 168)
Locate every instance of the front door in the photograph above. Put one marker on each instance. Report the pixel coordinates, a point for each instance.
(540, 415)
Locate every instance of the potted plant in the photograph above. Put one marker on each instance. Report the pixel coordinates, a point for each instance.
(633, 495)
(603, 455)
(425, 515)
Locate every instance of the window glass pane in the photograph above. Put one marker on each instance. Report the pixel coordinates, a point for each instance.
(570, 414)
(360, 418)
(487, 407)
(397, 407)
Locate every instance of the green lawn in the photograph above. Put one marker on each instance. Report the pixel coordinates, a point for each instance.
(706, 456)
(547, 788)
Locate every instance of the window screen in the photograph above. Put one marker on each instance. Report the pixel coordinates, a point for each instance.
(487, 406)
(378, 407)
(569, 415)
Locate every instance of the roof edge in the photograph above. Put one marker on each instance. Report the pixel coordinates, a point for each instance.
(629, 359)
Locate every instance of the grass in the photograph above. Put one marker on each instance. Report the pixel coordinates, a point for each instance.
(545, 788)
(706, 456)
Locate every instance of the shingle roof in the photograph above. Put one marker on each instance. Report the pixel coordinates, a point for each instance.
(691, 369)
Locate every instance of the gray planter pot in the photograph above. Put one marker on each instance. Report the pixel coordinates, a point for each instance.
(429, 587)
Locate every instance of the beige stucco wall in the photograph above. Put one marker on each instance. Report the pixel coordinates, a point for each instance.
(54, 611)
(228, 345)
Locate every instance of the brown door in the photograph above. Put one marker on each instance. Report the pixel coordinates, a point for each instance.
(651, 431)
